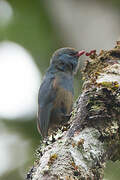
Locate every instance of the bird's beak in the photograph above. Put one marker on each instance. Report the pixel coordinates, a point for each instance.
(80, 53)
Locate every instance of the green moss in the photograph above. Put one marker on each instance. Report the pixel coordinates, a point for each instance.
(109, 85)
(94, 67)
(96, 107)
(97, 65)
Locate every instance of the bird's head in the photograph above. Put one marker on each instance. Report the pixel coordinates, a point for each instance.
(66, 59)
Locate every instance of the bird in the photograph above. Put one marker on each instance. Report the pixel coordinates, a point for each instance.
(56, 92)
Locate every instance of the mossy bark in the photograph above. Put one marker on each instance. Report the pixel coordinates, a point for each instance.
(92, 136)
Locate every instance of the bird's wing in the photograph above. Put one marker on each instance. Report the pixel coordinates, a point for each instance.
(47, 94)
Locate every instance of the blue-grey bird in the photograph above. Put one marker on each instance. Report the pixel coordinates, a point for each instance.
(56, 92)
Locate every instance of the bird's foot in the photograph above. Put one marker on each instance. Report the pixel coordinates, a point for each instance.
(65, 118)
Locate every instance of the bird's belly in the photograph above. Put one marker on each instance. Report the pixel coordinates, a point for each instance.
(62, 105)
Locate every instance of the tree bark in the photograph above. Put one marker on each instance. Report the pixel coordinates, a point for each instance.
(92, 136)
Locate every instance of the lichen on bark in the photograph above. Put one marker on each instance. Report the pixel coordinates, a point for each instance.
(80, 149)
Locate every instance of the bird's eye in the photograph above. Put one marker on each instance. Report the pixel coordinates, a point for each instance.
(62, 63)
(73, 53)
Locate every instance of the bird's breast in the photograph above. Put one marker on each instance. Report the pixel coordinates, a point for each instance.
(63, 100)
(64, 93)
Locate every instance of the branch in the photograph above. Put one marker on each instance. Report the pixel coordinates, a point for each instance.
(92, 136)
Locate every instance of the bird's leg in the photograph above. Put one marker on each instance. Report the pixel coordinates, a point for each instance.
(65, 118)
(53, 139)
(45, 141)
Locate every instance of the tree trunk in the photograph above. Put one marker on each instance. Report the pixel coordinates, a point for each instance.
(92, 136)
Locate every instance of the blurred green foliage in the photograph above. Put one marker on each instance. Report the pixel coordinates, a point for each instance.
(112, 170)
(31, 28)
